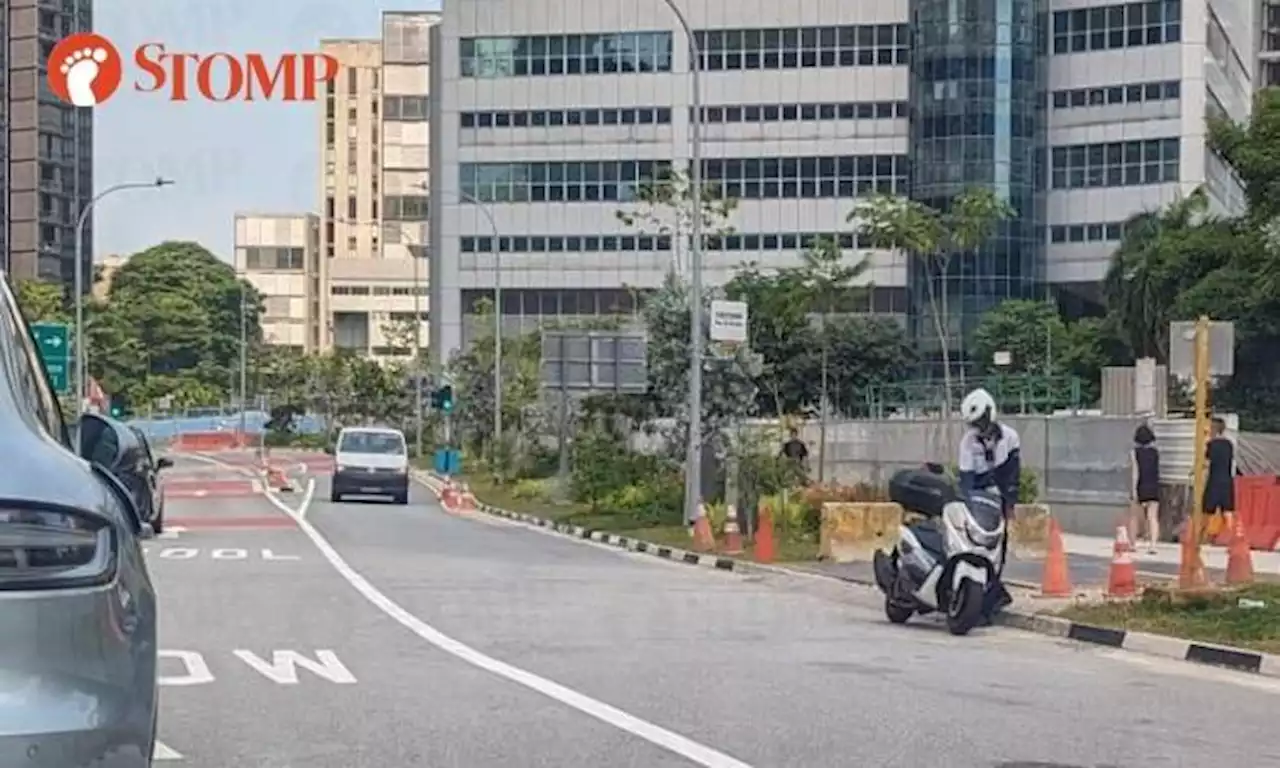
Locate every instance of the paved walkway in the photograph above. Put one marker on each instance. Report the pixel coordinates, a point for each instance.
(1089, 562)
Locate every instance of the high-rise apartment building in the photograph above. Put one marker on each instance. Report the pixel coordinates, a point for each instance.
(1078, 112)
(374, 190)
(46, 145)
(279, 254)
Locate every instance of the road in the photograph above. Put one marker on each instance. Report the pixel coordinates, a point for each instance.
(370, 634)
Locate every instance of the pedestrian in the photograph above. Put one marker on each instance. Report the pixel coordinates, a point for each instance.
(795, 450)
(1219, 488)
(1146, 486)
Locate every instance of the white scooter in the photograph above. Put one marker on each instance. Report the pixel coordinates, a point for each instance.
(946, 562)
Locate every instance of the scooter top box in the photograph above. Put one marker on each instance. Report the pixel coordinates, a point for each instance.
(922, 491)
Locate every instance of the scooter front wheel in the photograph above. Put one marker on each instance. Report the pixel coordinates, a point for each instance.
(897, 612)
(965, 610)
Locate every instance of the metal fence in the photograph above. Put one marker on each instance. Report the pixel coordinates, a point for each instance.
(163, 427)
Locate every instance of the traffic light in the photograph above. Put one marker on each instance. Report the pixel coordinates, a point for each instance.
(442, 399)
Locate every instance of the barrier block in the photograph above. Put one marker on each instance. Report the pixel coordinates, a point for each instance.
(1029, 531)
(853, 531)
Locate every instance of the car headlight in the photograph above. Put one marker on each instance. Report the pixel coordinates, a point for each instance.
(341, 468)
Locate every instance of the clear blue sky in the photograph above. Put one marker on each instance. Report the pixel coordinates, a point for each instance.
(224, 157)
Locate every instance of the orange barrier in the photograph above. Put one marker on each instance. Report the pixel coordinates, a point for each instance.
(213, 441)
(1258, 510)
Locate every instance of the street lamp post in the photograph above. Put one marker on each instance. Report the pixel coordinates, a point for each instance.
(244, 359)
(81, 377)
(693, 459)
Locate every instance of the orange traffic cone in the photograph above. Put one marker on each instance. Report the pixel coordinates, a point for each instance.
(449, 496)
(764, 549)
(1123, 581)
(1055, 581)
(732, 534)
(466, 499)
(703, 539)
(1239, 557)
(1191, 573)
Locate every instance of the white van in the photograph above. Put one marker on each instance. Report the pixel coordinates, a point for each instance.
(370, 461)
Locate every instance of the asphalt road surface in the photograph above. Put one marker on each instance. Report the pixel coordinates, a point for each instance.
(369, 634)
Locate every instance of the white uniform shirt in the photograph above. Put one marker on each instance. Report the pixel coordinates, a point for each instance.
(973, 452)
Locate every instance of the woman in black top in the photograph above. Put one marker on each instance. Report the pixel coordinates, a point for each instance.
(1146, 485)
(1220, 487)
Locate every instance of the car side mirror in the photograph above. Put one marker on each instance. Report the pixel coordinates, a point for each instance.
(328, 449)
(164, 462)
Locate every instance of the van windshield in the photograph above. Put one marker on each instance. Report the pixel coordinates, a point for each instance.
(386, 443)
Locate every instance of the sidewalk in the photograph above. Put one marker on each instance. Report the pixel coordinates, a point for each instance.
(1089, 562)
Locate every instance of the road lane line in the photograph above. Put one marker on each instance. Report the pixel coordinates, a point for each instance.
(654, 734)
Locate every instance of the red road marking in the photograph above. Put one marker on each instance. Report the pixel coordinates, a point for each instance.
(189, 489)
(277, 521)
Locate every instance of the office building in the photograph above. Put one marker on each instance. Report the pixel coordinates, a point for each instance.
(47, 146)
(1268, 44)
(373, 190)
(104, 272)
(1079, 113)
(279, 255)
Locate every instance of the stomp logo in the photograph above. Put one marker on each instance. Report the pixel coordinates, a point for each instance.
(86, 69)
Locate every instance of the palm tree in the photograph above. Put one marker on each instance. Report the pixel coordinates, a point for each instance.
(1142, 283)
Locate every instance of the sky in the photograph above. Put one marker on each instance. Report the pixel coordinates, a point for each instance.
(226, 157)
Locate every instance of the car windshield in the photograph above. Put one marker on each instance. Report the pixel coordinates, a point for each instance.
(387, 443)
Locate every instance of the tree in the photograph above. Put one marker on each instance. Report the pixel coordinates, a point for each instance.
(664, 207)
(728, 383)
(827, 278)
(935, 237)
(402, 335)
(865, 352)
(780, 331)
(174, 311)
(41, 302)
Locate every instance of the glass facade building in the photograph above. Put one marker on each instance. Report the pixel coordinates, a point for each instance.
(977, 98)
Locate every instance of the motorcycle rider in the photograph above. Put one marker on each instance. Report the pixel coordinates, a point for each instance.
(990, 456)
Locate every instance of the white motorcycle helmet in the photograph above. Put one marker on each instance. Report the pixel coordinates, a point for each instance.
(978, 409)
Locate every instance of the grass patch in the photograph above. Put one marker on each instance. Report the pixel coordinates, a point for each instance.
(498, 495)
(1210, 617)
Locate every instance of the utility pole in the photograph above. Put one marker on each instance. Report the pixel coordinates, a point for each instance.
(244, 360)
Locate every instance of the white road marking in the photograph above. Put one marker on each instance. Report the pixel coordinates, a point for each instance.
(162, 751)
(171, 532)
(224, 554)
(198, 672)
(283, 667)
(654, 734)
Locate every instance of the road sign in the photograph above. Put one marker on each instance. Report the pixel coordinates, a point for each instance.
(729, 321)
(1222, 349)
(52, 339)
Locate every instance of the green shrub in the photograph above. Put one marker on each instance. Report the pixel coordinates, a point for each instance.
(529, 489)
(653, 502)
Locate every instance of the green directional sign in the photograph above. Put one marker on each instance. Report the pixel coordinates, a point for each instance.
(53, 341)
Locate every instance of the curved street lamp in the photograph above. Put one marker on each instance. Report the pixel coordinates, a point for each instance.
(81, 346)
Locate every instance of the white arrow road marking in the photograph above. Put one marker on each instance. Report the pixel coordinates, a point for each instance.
(165, 752)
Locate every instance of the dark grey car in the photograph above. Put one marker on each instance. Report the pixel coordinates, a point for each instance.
(77, 607)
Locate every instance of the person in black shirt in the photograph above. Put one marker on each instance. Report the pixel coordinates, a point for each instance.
(1146, 486)
(796, 450)
(1219, 487)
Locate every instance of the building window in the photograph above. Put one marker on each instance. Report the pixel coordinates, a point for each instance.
(349, 290)
(1113, 95)
(1103, 232)
(1117, 164)
(845, 176)
(606, 53)
(353, 81)
(545, 118)
(264, 257)
(1126, 25)
(406, 109)
(772, 113)
(580, 181)
(405, 208)
(567, 244)
(859, 45)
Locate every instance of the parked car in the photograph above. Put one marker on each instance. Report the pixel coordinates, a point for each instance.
(370, 461)
(124, 451)
(154, 465)
(78, 660)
